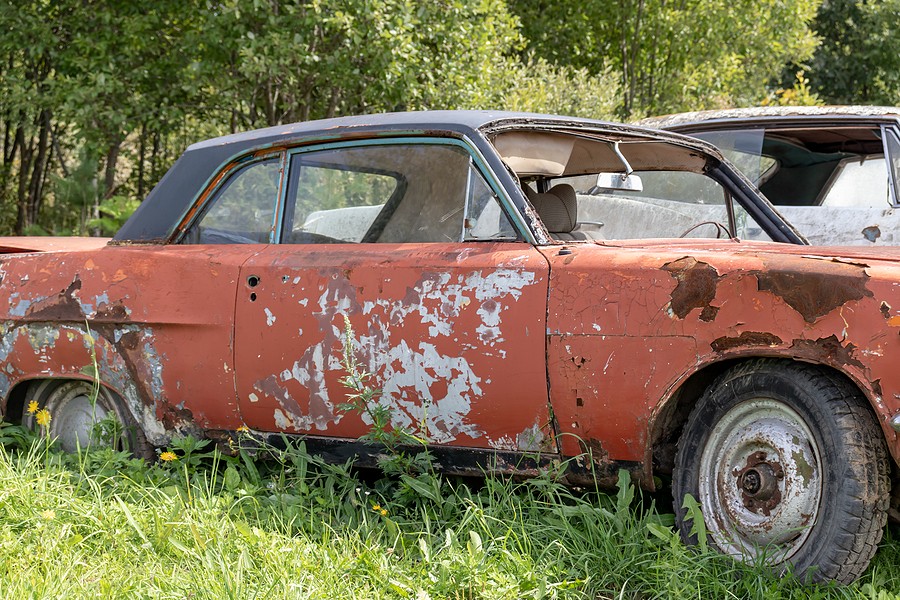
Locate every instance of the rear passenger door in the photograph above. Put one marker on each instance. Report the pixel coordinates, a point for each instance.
(409, 240)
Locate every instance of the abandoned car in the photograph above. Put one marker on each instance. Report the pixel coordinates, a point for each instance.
(832, 171)
(528, 291)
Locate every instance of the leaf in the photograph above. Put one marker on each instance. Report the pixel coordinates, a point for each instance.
(232, 478)
(424, 486)
(695, 515)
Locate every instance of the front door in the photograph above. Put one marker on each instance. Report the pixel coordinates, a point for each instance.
(407, 242)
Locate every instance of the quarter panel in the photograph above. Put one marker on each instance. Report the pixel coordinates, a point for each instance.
(627, 325)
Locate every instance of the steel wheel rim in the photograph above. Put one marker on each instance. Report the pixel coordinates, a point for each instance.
(760, 481)
(73, 416)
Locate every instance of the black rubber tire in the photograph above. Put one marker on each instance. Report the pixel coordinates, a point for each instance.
(72, 415)
(853, 489)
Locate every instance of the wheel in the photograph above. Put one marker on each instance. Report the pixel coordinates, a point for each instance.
(73, 417)
(789, 466)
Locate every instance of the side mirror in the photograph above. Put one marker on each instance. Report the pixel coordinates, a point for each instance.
(617, 181)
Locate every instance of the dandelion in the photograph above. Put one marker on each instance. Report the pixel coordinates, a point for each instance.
(32, 407)
(243, 429)
(376, 507)
(168, 456)
(48, 515)
(42, 417)
(383, 512)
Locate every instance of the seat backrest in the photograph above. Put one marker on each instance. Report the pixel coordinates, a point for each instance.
(558, 210)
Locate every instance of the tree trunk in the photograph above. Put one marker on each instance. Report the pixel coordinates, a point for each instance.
(109, 175)
(39, 170)
(25, 152)
(142, 154)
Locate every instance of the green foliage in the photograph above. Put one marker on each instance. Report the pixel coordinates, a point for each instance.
(858, 59)
(114, 212)
(695, 516)
(799, 94)
(286, 525)
(277, 62)
(539, 86)
(674, 56)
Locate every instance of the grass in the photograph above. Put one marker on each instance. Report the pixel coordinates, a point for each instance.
(211, 526)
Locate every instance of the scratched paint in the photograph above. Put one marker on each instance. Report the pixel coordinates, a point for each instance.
(446, 335)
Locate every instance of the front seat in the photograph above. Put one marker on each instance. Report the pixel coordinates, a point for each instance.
(558, 209)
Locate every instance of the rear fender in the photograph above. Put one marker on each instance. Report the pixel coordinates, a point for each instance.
(123, 357)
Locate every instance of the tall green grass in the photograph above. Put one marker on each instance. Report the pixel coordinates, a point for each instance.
(289, 526)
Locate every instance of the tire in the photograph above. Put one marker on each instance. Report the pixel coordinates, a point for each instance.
(73, 417)
(789, 467)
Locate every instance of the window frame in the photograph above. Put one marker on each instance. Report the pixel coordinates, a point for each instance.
(476, 161)
(220, 183)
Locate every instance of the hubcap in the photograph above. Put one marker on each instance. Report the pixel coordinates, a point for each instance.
(760, 480)
(73, 416)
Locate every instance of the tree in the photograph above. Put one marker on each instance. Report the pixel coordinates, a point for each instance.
(858, 60)
(674, 55)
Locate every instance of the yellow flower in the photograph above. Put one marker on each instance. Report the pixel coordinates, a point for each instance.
(48, 515)
(168, 456)
(32, 407)
(42, 417)
(243, 429)
(383, 512)
(376, 507)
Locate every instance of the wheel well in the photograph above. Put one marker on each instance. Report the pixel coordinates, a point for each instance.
(15, 402)
(669, 421)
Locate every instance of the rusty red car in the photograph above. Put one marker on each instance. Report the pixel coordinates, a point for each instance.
(527, 291)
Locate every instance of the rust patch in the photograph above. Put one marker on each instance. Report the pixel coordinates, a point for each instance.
(696, 287)
(62, 307)
(876, 387)
(814, 294)
(826, 350)
(747, 338)
(595, 450)
(709, 313)
(114, 312)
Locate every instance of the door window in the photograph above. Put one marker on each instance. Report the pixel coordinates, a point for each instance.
(242, 210)
(391, 193)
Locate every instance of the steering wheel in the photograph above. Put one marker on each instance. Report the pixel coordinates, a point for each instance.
(720, 229)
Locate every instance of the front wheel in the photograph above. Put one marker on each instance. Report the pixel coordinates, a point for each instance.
(82, 417)
(789, 466)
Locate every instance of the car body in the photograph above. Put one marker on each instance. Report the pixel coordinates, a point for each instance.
(522, 300)
(832, 171)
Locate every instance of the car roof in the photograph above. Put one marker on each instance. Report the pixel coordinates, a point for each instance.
(439, 120)
(175, 192)
(769, 112)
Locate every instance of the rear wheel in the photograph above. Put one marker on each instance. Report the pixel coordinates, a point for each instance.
(789, 466)
(78, 420)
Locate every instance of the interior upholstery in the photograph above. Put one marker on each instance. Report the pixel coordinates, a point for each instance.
(558, 209)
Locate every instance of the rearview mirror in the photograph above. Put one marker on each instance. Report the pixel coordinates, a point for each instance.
(617, 181)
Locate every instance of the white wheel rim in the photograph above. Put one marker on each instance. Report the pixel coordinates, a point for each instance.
(760, 481)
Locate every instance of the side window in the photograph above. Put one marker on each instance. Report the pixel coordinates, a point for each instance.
(893, 147)
(485, 219)
(242, 211)
(390, 194)
(859, 182)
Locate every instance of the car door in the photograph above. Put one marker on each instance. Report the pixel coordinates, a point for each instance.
(398, 253)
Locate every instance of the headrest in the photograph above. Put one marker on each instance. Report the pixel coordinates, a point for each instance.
(558, 208)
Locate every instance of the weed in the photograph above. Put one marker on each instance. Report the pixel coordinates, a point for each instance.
(365, 399)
